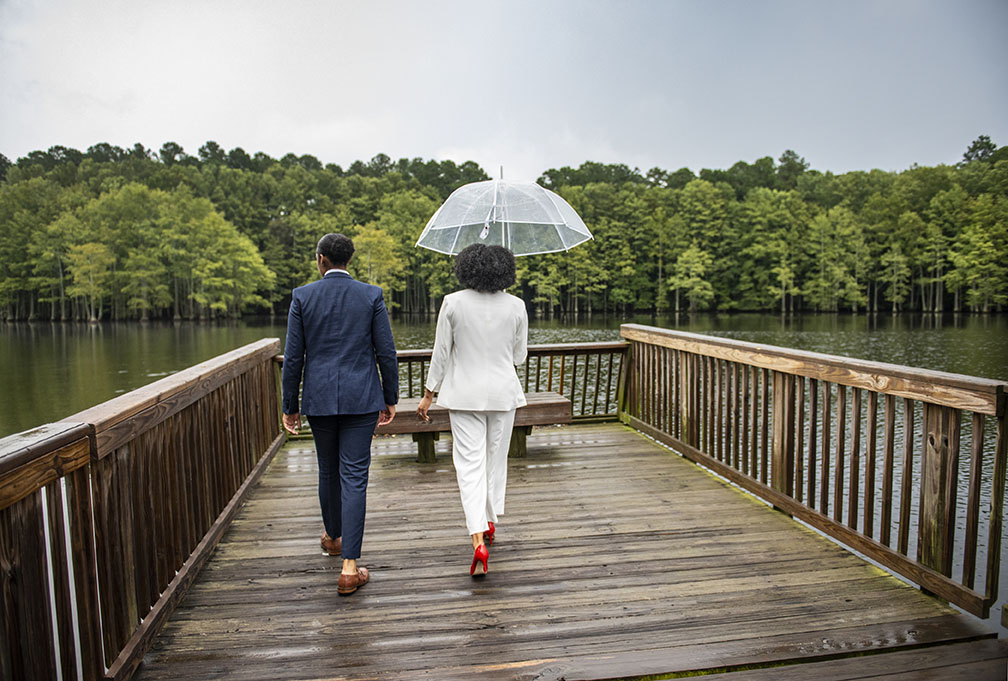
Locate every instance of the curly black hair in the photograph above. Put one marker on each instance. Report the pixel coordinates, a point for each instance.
(336, 248)
(485, 268)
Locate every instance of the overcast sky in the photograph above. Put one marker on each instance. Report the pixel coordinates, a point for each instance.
(524, 85)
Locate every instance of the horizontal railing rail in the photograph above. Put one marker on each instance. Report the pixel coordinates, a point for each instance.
(904, 465)
(106, 518)
(586, 373)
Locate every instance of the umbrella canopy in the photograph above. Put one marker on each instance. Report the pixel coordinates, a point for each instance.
(525, 218)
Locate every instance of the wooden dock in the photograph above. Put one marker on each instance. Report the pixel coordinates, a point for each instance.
(616, 558)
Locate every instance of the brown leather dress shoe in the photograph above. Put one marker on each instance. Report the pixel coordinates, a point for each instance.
(347, 584)
(333, 547)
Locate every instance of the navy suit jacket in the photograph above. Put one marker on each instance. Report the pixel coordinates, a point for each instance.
(339, 338)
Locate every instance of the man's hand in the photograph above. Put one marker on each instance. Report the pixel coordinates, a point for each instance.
(292, 422)
(386, 415)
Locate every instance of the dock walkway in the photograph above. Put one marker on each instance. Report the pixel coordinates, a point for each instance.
(616, 558)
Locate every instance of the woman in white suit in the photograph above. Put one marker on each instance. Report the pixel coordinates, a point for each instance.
(482, 333)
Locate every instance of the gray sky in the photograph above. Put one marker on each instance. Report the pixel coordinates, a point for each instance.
(527, 85)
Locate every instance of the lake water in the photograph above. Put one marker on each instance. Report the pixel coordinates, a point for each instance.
(52, 370)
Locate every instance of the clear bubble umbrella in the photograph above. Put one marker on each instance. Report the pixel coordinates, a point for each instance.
(525, 218)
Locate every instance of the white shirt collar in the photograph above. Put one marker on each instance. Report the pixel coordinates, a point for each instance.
(336, 269)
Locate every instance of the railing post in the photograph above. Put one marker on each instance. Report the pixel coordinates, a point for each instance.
(782, 472)
(688, 398)
(934, 531)
(997, 501)
(623, 400)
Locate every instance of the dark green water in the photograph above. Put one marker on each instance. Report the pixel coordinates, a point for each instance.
(50, 371)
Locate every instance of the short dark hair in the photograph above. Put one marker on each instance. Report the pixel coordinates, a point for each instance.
(485, 268)
(336, 248)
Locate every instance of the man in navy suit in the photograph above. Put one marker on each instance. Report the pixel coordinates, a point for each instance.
(339, 337)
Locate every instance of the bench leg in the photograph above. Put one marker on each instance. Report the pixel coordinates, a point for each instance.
(517, 447)
(425, 446)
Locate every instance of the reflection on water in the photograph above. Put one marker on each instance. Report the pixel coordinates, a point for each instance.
(51, 370)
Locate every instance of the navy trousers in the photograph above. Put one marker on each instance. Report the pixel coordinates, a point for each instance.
(343, 448)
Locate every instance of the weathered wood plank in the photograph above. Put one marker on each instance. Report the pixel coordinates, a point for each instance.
(827, 394)
(21, 448)
(854, 491)
(974, 661)
(542, 408)
(906, 489)
(783, 468)
(115, 553)
(840, 465)
(889, 447)
(78, 488)
(997, 503)
(934, 534)
(28, 478)
(61, 593)
(868, 526)
(26, 631)
(121, 419)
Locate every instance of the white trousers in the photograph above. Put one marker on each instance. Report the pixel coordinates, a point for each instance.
(480, 441)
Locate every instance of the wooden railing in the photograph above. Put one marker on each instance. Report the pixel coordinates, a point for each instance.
(106, 518)
(917, 487)
(586, 373)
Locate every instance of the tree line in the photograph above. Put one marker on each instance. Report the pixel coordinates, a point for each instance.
(114, 233)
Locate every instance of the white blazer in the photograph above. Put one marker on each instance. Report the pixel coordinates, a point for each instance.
(480, 338)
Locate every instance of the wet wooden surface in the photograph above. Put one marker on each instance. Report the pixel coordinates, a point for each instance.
(615, 558)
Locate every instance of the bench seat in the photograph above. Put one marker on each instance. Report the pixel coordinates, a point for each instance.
(543, 409)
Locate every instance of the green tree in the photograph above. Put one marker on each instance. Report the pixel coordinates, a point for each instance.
(234, 277)
(836, 243)
(48, 250)
(402, 215)
(91, 266)
(768, 250)
(211, 152)
(691, 269)
(791, 167)
(981, 149)
(171, 153)
(896, 276)
(27, 208)
(980, 254)
(783, 283)
(376, 260)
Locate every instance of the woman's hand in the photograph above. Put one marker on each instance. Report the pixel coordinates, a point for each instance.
(425, 403)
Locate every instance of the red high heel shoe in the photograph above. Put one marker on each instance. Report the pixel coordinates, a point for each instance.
(480, 555)
(489, 535)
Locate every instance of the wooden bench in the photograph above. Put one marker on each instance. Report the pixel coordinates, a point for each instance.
(543, 409)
